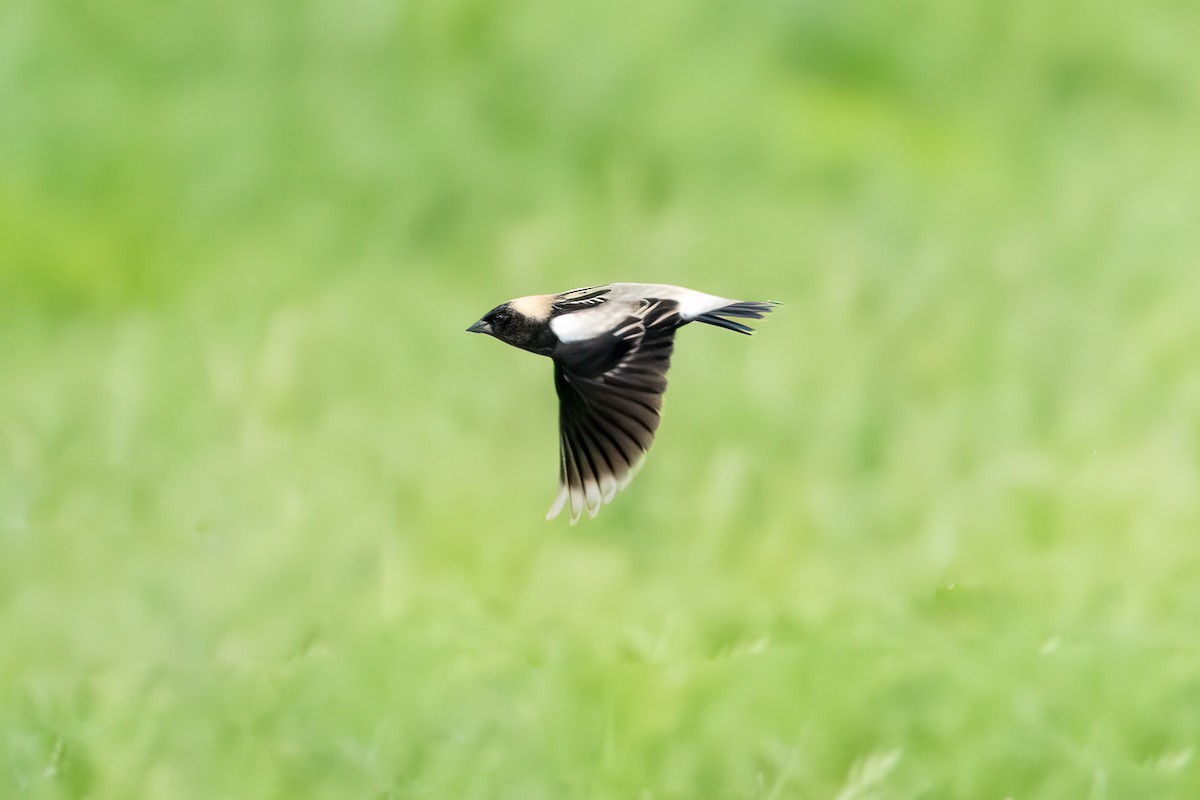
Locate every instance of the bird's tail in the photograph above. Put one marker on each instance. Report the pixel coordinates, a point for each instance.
(749, 310)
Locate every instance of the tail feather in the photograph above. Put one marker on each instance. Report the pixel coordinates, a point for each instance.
(748, 310)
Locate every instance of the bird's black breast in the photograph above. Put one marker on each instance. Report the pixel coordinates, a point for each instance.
(541, 339)
(591, 357)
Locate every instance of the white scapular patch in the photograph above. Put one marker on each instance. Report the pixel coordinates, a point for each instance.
(590, 323)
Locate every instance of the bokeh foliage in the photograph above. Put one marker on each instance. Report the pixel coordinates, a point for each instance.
(270, 522)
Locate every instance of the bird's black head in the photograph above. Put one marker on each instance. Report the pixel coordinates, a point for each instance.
(513, 327)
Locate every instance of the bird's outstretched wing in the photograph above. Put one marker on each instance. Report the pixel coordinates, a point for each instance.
(610, 390)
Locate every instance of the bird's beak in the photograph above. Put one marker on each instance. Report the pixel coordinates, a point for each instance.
(480, 327)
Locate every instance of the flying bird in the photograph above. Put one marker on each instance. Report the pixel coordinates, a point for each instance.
(611, 347)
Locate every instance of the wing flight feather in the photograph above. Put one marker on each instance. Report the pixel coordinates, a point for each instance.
(610, 390)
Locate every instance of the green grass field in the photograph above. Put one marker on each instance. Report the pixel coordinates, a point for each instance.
(271, 522)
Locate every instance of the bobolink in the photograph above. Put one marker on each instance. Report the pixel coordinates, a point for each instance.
(611, 346)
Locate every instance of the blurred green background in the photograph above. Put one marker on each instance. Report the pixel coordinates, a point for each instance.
(271, 522)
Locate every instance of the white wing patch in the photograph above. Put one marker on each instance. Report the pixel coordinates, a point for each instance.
(590, 323)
